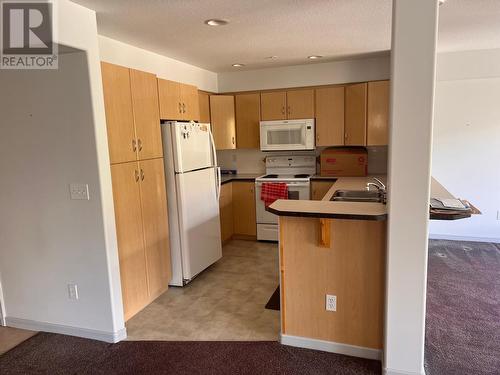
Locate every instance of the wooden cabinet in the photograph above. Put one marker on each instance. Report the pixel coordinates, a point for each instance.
(132, 119)
(273, 105)
(320, 188)
(226, 212)
(355, 114)
(247, 108)
(244, 222)
(223, 121)
(155, 219)
(330, 116)
(178, 101)
(292, 104)
(146, 114)
(300, 104)
(142, 232)
(119, 115)
(204, 99)
(378, 113)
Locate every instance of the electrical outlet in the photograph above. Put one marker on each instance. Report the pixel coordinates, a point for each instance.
(331, 303)
(79, 191)
(73, 292)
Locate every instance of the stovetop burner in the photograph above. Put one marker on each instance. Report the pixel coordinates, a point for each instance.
(270, 176)
(303, 175)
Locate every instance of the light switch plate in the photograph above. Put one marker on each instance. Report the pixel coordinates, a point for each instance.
(79, 191)
(73, 292)
(331, 303)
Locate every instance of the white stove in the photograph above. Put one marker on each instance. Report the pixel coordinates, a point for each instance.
(296, 172)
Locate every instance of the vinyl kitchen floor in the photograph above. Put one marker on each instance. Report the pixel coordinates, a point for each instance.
(225, 302)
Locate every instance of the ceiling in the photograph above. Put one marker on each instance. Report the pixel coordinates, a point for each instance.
(288, 29)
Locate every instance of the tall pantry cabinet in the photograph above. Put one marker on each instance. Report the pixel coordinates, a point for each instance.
(136, 156)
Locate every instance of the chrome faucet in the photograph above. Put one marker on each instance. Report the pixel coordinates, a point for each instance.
(378, 184)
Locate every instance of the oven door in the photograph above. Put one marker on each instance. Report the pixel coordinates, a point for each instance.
(286, 135)
(296, 190)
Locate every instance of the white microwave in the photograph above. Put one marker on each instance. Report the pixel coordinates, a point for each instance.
(285, 135)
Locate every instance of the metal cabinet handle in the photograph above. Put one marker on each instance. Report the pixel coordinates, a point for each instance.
(180, 107)
(283, 110)
(136, 176)
(134, 145)
(142, 175)
(289, 110)
(232, 139)
(183, 107)
(139, 144)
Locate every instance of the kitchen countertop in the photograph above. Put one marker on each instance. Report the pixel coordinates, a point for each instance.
(357, 210)
(225, 178)
(334, 210)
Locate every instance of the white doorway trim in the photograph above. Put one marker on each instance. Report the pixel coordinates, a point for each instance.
(2, 306)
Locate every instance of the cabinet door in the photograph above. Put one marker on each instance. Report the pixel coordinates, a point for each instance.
(169, 94)
(223, 121)
(247, 120)
(129, 231)
(273, 105)
(378, 113)
(330, 116)
(204, 99)
(190, 102)
(300, 104)
(146, 114)
(155, 219)
(244, 208)
(119, 118)
(319, 189)
(355, 114)
(226, 211)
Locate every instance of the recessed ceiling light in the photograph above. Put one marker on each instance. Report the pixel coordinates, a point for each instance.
(271, 57)
(238, 65)
(314, 57)
(216, 22)
(441, 2)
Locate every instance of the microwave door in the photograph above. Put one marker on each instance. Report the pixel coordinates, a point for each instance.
(279, 137)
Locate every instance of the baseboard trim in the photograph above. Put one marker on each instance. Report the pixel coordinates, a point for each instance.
(332, 347)
(33, 325)
(452, 237)
(388, 371)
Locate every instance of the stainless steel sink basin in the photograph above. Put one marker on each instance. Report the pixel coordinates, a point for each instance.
(357, 196)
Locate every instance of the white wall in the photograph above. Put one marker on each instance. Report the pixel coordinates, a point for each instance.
(336, 72)
(414, 39)
(119, 53)
(466, 146)
(54, 133)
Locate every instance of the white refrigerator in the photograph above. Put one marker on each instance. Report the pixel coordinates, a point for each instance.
(193, 190)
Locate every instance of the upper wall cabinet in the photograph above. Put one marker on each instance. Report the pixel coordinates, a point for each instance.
(204, 99)
(355, 114)
(131, 103)
(273, 105)
(247, 108)
(300, 104)
(223, 121)
(378, 113)
(292, 104)
(178, 101)
(330, 116)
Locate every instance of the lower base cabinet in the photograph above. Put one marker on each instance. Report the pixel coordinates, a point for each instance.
(142, 230)
(237, 210)
(319, 189)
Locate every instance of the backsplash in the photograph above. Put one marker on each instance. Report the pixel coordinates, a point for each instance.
(252, 161)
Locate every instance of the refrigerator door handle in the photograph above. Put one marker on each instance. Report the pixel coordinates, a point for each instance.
(218, 172)
(219, 183)
(214, 152)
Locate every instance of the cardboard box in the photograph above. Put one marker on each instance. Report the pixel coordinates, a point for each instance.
(344, 162)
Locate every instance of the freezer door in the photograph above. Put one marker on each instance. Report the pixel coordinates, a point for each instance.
(192, 146)
(199, 220)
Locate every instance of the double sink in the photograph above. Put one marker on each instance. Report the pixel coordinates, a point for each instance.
(359, 196)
